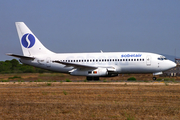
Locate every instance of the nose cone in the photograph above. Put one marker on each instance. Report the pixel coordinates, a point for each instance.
(171, 64)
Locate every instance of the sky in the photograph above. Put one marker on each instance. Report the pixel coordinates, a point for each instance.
(70, 26)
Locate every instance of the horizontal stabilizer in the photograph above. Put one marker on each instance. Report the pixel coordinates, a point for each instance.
(20, 56)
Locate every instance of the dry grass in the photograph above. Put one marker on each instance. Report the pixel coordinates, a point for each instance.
(89, 101)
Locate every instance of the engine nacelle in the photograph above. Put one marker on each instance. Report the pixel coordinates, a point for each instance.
(96, 72)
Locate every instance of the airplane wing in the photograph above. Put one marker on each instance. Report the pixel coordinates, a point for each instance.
(20, 56)
(76, 65)
(109, 68)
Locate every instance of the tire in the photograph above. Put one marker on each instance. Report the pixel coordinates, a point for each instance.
(89, 78)
(92, 78)
(154, 78)
(96, 78)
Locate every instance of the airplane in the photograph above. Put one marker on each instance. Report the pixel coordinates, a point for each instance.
(91, 65)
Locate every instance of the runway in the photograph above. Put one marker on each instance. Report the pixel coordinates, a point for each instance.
(97, 83)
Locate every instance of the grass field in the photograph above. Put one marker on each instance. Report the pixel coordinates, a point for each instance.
(86, 100)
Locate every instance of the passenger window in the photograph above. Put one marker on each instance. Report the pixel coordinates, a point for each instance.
(134, 59)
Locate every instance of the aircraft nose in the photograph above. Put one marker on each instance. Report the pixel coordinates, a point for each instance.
(168, 65)
(172, 64)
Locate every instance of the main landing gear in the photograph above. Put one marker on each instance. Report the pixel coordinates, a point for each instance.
(92, 78)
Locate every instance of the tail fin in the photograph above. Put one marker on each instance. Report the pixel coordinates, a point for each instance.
(29, 42)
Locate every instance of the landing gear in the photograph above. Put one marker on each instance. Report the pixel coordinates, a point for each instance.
(154, 78)
(92, 78)
(96, 78)
(88, 78)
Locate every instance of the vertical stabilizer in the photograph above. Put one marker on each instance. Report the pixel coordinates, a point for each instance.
(30, 44)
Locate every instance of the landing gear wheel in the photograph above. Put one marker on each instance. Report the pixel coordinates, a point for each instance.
(154, 78)
(96, 78)
(92, 78)
(88, 78)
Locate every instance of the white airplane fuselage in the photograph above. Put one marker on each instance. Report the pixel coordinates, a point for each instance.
(87, 64)
(119, 62)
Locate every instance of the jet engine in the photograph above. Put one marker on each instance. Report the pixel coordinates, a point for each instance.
(94, 72)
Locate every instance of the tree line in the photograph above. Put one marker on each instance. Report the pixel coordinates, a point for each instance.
(13, 66)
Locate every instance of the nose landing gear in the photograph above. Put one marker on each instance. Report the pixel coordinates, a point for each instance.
(154, 78)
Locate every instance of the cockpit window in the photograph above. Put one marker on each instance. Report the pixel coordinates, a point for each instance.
(162, 58)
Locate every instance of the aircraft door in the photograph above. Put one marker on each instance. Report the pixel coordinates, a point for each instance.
(148, 60)
(48, 62)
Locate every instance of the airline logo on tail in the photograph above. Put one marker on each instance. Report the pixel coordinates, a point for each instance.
(28, 40)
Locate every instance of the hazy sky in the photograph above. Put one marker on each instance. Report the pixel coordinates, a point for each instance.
(93, 25)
